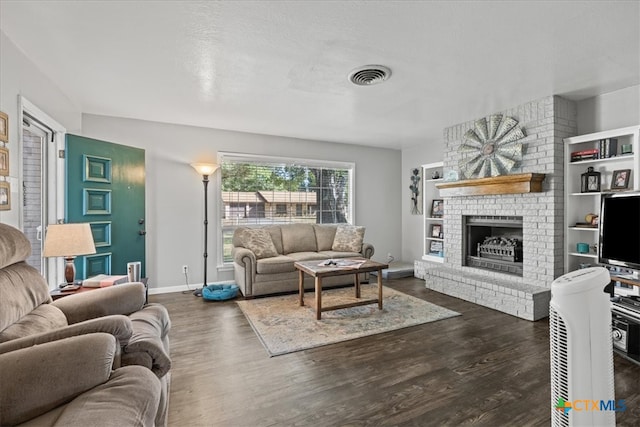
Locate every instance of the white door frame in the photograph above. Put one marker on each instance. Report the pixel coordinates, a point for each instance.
(55, 179)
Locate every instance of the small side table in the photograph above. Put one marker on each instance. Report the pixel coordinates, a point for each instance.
(59, 293)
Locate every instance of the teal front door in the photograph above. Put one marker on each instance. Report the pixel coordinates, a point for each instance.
(105, 186)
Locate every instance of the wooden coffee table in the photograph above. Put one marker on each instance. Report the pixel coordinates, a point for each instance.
(318, 271)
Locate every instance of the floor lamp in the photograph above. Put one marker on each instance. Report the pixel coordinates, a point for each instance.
(204, 169)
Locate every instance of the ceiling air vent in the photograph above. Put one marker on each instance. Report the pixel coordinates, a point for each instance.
(369, 75)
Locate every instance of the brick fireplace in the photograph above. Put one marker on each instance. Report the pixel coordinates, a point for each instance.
(525, 293)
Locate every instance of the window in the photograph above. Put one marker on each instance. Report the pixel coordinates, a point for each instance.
(258, 191)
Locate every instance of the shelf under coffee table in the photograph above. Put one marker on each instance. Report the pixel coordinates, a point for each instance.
(318, 272)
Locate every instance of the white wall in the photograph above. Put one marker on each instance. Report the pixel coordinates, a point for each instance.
(175, 191)
(20, 76)
(609, 111)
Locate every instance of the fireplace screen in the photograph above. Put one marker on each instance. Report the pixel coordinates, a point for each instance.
(494, 243)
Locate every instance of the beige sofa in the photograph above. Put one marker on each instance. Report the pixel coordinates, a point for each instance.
(29, 318)
(263, 257)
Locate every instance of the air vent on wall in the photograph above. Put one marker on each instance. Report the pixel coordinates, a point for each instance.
(369, 75)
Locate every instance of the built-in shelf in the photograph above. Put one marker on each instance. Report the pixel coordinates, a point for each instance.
(587, 255)
(433, 246)
(578, 204)
(626, 280)
(503, 184)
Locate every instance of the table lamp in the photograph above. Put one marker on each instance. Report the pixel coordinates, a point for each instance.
(68, 241)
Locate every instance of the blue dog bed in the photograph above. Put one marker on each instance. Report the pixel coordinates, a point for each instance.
(220, 292)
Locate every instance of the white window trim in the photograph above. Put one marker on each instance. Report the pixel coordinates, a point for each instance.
(351, 166)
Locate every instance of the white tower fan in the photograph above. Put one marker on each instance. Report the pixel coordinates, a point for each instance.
(581, 347)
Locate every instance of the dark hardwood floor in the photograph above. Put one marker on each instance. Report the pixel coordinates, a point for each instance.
(483, 368)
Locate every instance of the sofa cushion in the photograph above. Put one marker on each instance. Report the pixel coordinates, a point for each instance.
(258, 241)
(324, 236)
(14, 246)
(339, 254)
(43, 318)
(306, 256)
(298, 238)
(22, 289)
(348, 238)
(276, 237)
(278, 264)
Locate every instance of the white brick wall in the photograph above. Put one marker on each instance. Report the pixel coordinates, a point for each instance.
(545, 122)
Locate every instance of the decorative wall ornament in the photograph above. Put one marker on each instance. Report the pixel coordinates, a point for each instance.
(4, 161)
(4, 127)
(491, 148)
(416, 191)
(5, 196)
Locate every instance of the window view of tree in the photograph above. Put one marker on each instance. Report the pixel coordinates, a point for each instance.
(258, 193)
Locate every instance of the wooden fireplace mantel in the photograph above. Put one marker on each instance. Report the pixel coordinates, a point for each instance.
(503, 184)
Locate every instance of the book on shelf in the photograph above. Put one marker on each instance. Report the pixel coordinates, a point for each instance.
(608, 147)
(581, 157)
(104, 280)
(585, 152)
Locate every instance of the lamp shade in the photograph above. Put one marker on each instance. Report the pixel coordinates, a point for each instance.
(205, 169)
(68, 240)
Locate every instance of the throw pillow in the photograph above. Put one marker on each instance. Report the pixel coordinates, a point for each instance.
(258, 241)
(348, 239)
(298, 238)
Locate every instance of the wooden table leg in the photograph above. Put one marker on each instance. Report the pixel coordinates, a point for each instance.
(318, 298)
(356, 283)
(301, 286)
(379, 289)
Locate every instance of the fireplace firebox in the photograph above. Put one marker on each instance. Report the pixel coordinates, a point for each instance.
(493, 243)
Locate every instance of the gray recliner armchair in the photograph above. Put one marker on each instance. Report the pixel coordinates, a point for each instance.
(71, 382)
(29, 317)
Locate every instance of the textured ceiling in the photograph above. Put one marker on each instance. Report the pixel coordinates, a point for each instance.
(281, 67)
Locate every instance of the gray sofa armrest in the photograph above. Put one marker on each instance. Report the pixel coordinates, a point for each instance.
(148, 346)
(38, 379)
(119, 326)
(119, 299)
(245, 265)
(130, 398)
(367, 250)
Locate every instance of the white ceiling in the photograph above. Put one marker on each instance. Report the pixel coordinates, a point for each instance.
(281, 67)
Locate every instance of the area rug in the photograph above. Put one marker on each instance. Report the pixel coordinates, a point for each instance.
(285, 327)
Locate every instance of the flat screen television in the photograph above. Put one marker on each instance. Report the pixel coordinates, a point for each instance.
(619, 231)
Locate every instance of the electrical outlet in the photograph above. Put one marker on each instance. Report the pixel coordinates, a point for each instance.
(185, 269)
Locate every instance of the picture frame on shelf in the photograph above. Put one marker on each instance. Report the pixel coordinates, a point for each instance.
(436, 231)
(5, 196)
(437, 208)
(4, 161)
(590, 181)
(435, 248)
(4, 127)
(620, 179)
